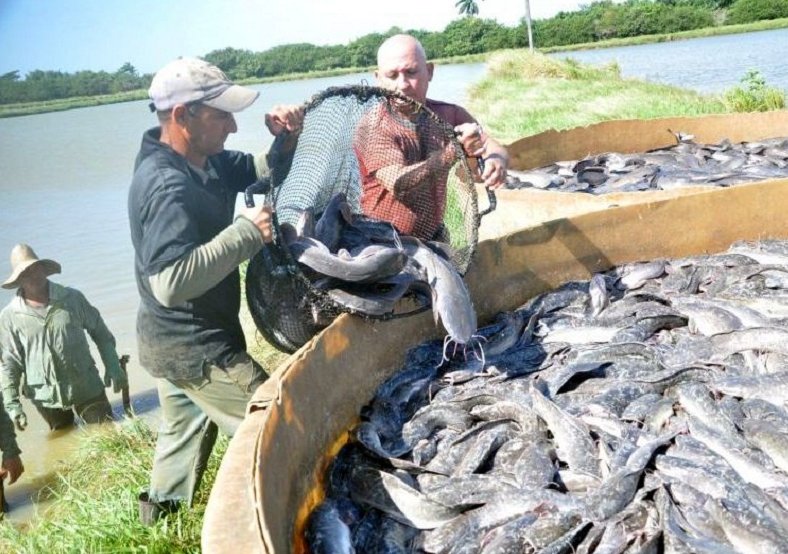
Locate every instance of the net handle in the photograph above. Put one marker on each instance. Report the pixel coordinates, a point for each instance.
(261, 186)
(491, 198)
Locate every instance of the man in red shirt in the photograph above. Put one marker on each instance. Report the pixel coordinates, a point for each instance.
(403, 169)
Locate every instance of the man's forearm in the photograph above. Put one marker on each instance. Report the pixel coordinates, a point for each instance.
(401, 180)
(205, 266)
(9, 389)
(495, 150)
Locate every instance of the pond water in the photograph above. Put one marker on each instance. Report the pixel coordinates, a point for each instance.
(709, 64)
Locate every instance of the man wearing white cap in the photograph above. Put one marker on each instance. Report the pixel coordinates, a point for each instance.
(42, 339)
(188, 247)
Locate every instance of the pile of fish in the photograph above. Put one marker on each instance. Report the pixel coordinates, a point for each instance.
(644, 410)
(683, 165)
(367, 268)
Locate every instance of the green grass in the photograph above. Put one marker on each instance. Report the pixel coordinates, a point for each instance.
(524, 94)
(30, 108)
(754, 95)
(94, 506)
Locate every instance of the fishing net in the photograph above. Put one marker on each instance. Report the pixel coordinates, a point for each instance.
(398, 169)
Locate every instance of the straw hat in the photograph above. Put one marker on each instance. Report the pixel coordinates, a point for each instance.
(22, 257)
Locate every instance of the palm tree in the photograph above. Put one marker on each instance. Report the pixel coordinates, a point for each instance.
(471, 7)
(468, 7)
(528, 25)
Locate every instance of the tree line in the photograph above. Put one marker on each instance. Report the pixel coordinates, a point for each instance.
(600, 20)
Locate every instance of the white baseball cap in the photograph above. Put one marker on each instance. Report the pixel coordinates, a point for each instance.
(188, 80)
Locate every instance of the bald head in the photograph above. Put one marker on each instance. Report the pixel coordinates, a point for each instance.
(397, 45)
(402, 66)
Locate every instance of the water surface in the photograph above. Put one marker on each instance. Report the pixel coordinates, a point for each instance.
(708, 64)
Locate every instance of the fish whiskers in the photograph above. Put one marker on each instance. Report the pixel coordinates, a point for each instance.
(474, 345)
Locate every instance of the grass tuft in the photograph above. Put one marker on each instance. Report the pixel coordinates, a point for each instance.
(754, 95)
(523, 94)
(94, 500)
(519, 64)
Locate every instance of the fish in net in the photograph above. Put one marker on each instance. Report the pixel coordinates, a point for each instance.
(370, 169)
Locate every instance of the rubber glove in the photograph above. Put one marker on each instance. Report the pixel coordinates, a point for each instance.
(115, 376)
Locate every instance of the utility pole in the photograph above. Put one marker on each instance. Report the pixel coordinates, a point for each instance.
(528, 25)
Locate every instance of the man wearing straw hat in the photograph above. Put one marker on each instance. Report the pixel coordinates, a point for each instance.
(44, 349)
(188, 246)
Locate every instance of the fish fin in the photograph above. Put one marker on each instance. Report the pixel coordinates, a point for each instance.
(346, 213)
(435, 313)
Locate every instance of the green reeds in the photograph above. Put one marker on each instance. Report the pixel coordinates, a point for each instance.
(754, 95)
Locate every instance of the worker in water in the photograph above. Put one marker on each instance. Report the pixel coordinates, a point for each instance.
(44, 348)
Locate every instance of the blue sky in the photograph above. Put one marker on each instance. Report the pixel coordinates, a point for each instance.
(71, 35)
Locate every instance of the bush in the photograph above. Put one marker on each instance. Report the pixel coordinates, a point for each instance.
(606, 20)
(754, 95)
(747, 11)
(564, 28)
(471, 35)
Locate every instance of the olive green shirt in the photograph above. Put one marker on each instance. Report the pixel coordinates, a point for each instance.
(7, 436)
(49, 349)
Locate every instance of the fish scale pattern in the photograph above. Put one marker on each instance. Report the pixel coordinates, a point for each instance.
(644, 410)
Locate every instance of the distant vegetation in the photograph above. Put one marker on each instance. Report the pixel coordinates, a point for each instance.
(746, 11)
(599, 21)
(42, 86)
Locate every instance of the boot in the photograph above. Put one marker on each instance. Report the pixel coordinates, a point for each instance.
(151, 512)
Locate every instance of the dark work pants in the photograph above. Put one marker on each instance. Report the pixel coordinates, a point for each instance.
(95, 410)
(193, 410)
